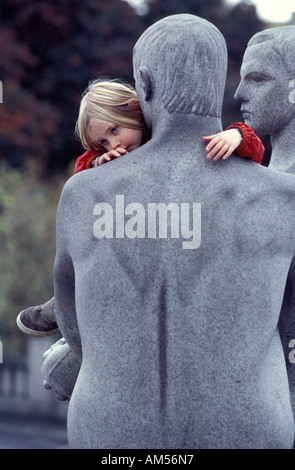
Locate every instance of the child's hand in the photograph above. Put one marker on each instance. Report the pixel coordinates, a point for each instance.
(223, 144)
(108, 156)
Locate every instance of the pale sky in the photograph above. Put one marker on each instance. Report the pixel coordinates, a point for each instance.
(277, 11)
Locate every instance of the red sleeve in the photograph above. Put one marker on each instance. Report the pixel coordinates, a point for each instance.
(250, 146)
(83, 162)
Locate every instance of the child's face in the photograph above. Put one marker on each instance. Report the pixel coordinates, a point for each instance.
(112, 136)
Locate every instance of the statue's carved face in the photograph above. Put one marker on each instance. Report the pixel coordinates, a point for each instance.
(264, 90)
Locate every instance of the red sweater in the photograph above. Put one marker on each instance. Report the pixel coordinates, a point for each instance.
(250, 146)
(83, 162)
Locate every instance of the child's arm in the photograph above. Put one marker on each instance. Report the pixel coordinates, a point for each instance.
(223, 144)
(92, 158)
(250, 146)
(108, 156)
(84, 161)
(238, 137)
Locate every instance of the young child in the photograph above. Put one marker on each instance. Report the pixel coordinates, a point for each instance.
(110, 125)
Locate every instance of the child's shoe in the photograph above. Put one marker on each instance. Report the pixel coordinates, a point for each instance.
(38, 320)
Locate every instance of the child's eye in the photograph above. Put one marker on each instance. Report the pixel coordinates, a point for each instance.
(115, 129)
(104, 142)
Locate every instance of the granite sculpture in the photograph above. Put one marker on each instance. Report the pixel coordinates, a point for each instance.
(179, 344)
(60, 369)
(267, 96)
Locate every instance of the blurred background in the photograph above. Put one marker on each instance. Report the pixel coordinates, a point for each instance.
(49, 51)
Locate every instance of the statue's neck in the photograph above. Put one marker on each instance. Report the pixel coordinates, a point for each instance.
(185, 128)
(283, 150)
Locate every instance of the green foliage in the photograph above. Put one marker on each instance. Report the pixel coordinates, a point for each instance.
(27, 233)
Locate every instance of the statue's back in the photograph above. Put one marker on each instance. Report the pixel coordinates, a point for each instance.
(180, 346)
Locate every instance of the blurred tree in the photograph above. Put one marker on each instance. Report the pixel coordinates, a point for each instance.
(49, 51)
(208, 9)
(27, 249)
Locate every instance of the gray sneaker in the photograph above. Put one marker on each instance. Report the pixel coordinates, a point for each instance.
(38, 320)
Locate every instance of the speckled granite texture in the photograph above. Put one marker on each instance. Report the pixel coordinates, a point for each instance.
(267, 96)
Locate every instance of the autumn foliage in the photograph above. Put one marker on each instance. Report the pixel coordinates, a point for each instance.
(50, 49)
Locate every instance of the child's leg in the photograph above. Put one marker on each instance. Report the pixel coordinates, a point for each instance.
(38, 320)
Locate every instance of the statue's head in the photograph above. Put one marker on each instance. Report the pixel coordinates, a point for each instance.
(180, 64)
(266, 89)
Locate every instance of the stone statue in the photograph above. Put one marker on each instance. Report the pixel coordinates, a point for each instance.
(60, 369)
(267, 96)
(176, 326)
(266, 92)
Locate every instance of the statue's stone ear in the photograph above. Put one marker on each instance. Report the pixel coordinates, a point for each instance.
(146, 82)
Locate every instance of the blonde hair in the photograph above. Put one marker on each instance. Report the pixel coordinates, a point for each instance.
(109, 101)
